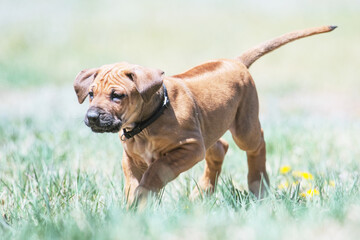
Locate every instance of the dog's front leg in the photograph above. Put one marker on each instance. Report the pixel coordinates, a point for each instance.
(133, 173)
(168, 167)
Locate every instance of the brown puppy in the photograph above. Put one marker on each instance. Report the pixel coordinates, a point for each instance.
(205, 102)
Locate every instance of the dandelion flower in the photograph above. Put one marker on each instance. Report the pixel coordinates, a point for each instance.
(294, 184)
(310, 193)
(332, 183)
(307, 176)
(304, 175)
(285, 169)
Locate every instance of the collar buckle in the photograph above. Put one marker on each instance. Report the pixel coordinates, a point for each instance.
(123, 138)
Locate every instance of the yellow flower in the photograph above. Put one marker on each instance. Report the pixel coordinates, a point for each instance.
(283, 185)
(304, 175)
(285, 169)
(307, 176)
(294, 184)
(310, 193)
(332, 183)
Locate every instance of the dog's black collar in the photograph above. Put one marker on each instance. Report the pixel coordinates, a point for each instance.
(143, 124)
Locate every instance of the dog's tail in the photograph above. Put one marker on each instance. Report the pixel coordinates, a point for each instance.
(253, 54)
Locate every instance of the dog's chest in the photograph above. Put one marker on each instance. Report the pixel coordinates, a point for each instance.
(143, 151)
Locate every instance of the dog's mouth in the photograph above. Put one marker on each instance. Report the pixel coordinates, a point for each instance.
(110, 129)
(104, 123)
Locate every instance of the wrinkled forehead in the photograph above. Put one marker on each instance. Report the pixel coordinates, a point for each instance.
(111, 75)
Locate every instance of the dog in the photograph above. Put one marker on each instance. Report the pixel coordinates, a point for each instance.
(169, 123)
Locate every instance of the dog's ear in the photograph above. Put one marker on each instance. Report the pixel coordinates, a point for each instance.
(83, 81)
(147, 81)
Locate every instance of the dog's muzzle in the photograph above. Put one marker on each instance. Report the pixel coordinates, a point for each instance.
(101, 121)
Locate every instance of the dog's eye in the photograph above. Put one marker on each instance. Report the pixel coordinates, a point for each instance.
(91, 95)
(116, 96)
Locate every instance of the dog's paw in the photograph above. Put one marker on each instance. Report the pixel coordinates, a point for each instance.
(258, 189)
(140, 197)
(201, 191)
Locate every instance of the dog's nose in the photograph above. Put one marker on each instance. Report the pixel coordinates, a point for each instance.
(92, 115)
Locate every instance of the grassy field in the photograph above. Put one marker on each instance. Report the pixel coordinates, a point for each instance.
(58, 180)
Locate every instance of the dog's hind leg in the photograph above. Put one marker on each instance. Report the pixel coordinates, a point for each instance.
(256, 158)
(214, 158)
(248, 136)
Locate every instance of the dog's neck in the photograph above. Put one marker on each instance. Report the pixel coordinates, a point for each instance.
(150, 107)
(149, 113)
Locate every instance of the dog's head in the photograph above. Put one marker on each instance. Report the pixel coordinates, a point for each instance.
(117, 92)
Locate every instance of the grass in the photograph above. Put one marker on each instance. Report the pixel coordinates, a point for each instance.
(58, 180)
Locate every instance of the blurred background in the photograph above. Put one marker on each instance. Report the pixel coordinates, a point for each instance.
(44, 44)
